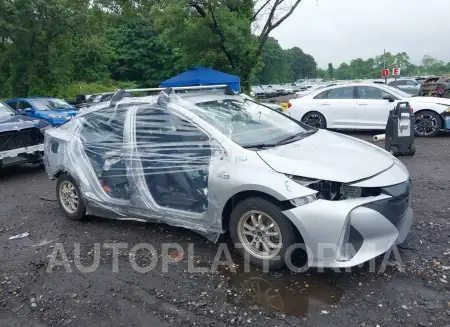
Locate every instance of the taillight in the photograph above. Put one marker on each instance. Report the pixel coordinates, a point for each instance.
(289, 105)
(411, 110)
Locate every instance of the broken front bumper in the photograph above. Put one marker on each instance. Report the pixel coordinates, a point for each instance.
(20, 155)
(340, 234)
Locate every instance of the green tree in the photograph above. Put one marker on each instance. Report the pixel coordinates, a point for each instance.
(222, 30)
(276, 68)
(330, 70)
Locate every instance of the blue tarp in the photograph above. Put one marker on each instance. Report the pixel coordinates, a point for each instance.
(203, 76)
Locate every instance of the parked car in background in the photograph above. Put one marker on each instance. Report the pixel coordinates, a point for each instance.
(80, 99)
(367, 106)
(407, 85)
(259, 92)
(21, 137)
(97, 98)
(228, 163)
(312, 89)
(436, 86)
(53, 110)
(270, 91)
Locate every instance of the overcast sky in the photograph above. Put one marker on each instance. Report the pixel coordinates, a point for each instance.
(340, 30)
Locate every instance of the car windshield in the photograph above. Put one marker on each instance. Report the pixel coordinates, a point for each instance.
(5, 111)
(397, 91)
(248, 123)
(50, 104)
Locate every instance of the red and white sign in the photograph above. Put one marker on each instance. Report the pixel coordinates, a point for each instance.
(385, 72)
(396, 71)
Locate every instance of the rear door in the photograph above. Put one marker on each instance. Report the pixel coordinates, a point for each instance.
(339, 106)
(373, 110)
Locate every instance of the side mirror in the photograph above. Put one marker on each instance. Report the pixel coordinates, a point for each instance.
(389, 98)
(28, 109)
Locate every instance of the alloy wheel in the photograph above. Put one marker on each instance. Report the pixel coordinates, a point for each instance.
(259, 234)
(313, 120)
(425, 124)
(69, 197)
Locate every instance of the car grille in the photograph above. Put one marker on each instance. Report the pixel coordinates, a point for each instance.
(20, 139)
(393, 208)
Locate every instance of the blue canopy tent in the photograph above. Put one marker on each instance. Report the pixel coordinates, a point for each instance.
(203, 76)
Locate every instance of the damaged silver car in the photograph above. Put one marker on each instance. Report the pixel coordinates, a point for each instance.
(213, 161)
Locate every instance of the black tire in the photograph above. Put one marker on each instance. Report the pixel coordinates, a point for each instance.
(314, 119)
(81, 209)
(427, 123)
(394, 150)
(412, 150)
(286, 228)
(446, 94)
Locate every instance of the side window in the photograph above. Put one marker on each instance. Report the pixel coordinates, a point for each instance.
(13, 105)
(393, 83)
(323, 95)
(24, 105)
(341, 93)
(372, 93)
(104, 126)
(401, 83)
(411, 83)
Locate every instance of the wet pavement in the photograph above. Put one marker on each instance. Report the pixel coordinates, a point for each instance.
(415, 294)
(294, 294)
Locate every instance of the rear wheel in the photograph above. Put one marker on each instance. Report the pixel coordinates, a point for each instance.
(427, 123)
(69, 197)
(315, 119)
(412, 150)
(259, 228)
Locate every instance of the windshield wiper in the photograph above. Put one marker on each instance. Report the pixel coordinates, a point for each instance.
(259, 145)
(294, 136)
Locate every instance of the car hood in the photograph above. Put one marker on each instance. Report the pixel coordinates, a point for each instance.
(328, 156)
(66, 112)
(20, 122)
(429, 100)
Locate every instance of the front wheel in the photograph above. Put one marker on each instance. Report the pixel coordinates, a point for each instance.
(315, 119)
(259, 229)
(69, 197)
(427, 124)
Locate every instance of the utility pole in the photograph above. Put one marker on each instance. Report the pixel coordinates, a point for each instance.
(384, 57)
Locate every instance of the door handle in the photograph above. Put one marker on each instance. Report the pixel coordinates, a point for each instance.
(363, 103)
(325, 103)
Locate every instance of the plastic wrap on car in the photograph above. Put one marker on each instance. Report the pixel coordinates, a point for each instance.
(139, 160)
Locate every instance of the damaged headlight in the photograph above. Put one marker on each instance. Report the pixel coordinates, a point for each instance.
(335, 191)
(304, 200)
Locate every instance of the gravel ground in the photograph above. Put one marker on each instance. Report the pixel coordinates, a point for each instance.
(31, 294)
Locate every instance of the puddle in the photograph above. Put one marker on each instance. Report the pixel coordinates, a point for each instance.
(293, 294)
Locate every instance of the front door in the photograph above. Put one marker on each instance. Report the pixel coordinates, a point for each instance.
(373, 110)
(170, 161)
